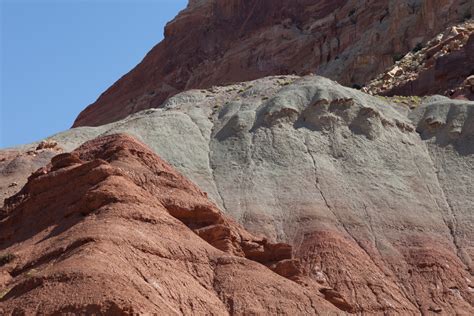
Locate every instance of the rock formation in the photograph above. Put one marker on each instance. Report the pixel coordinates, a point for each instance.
(445, 65)
(333, 200)
(112, 229)
(17, 164)
(215, 42)
(375, 197)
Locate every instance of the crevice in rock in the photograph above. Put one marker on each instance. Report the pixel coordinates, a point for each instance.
(312, 303)
(195, 124)
(209, 160)
(452, 226)
(371, 226)
(337, 300)
(397, 280)
(330, 208)
(318, 187)
(215, 288)
(50, 256)
(214, 179)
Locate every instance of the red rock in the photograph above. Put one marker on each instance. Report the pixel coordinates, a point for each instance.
(16, 165)
(113, 229)
(443, 67)
(218, 42)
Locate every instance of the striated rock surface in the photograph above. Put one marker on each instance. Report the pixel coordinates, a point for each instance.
(444, 65)
(17, 164)
(376, 198)
(214, 42)
(112, 229)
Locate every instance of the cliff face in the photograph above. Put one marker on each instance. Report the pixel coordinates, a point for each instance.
(216, 42)
(333, 201)
(444, 65)
(112, 229)
(375, 198)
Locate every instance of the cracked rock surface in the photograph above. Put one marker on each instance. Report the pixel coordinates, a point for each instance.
(216, 42)
(132, 237)
(375, 198)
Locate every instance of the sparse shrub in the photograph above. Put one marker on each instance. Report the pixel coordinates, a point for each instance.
(352, 16)
(46, 144)
(467, 16)
(417, 48)
(416, 100)
(6, 258)
(397, 57)
(356, 86)
(411, 101)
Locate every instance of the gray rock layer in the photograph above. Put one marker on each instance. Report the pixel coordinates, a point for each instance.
(377, 199)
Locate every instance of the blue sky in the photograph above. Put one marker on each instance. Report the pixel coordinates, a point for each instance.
(57, 56)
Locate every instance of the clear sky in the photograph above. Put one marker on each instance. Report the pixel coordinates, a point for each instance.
(57, 56)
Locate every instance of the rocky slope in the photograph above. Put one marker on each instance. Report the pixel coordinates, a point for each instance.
(375, 198)
(17, 164)
(112, 229)
(444, 65)
(213, 42)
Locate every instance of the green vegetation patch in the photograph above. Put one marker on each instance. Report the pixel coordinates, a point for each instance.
(6, 258)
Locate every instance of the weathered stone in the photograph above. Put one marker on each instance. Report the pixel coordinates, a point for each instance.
(216, 42)
(441, 67)
(377, 206)
(129, 254)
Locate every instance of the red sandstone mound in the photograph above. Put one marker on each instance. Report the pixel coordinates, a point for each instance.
(214, 42)
(113, 229)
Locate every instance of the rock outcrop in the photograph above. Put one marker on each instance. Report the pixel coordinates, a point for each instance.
(214, 42)
(112, 229)
(444, 65)
(375, 198)
(17, 164)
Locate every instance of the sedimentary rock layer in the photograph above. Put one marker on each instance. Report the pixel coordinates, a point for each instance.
(375, 197)
(444, 65)
(215, 42)
(112, 229)
(17, 164)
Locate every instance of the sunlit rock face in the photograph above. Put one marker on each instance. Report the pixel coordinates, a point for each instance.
(374, 196)
(443, 65)
(217, 42)
(112, 229)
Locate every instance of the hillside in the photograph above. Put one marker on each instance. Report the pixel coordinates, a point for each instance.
(444, 65)
(216, 42)
(374, 197)
(136, 237)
